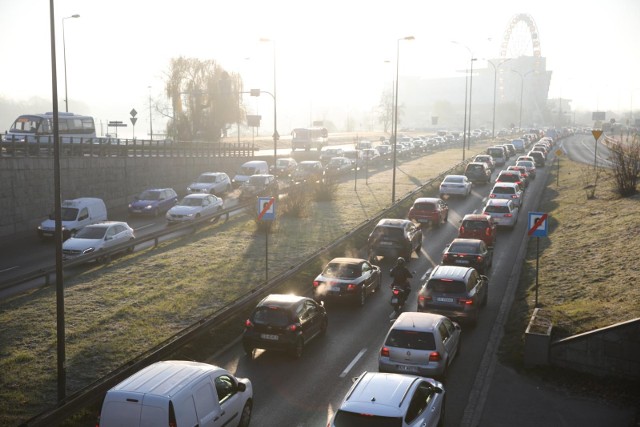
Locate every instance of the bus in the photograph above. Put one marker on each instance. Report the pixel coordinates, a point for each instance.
(308, 138)
(38, 128)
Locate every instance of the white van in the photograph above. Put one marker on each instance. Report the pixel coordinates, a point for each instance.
(178, 393)
(76, 214)
(253, 167)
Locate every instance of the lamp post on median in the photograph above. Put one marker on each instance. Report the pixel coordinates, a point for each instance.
(522, 77)
(395, 118)
(64, 54)
(495, 78)
(276, 137)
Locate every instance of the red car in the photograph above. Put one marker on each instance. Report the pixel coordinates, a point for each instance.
(478, 226)
(429, 210)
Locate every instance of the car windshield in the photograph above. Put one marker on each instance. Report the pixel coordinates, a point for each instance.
(508, 177)
(416, 340)
(69, 214)
(257, 180)
(208, 179)
(282, 163)
(482, 158)
(474, 225)
(446, 286)
(504, 190)
(345, 271)
(191, 201)
(150, 195)
(91, 233)
(307, 166)
(247, 170)
(496, 209)
(496, 152)
(273, 316)
(352, 419)
(463, 248)
(474, 168)
(424, 206)
(455, 179)
(525, 163)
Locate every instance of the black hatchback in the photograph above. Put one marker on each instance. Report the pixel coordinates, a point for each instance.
(284, 322)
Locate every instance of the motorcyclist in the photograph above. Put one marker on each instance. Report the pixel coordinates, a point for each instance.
(401, 276)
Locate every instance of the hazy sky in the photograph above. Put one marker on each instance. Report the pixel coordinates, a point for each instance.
(328, 53)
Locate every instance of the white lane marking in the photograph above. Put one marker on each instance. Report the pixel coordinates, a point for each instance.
(143, 227)
(10, 268)
(353, 362)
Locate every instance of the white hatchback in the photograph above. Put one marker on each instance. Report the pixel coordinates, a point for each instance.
(503, 212)
(508, 190)
(378, 399)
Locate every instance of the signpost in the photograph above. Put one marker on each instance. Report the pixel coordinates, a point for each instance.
(116, 124)
(133, 119)
(558, 154)
(266, 212)
(537, 228)
(596, 134)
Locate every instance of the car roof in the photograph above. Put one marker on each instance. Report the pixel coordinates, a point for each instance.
(498, 202)
(505, 184)
(157, 189)
(453, 176)
(281, 300)
(309, 162)
(103, 223)
(467, 241)
(196, 196)
(379, 393)
(260, 175)
(426, 200)
(450, 272)
(477, 217)
(212, 173)
(393, 222)
(346, 260)
(411, 320)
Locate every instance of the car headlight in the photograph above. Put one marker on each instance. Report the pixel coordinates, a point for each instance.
(130, 205)
(190, 215)
(148, 207)
(88, 250)
(189, 189)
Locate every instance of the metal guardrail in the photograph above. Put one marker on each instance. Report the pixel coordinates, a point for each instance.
(93, 392)
(101, 147)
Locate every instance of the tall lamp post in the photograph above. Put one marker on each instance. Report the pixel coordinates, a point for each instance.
(465, 128)
(276, 137)
(64, 54)
(150, 116)
(522, 77)
(395, 119)
(495, 79)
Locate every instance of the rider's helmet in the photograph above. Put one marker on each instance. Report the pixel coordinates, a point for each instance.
(400, 261)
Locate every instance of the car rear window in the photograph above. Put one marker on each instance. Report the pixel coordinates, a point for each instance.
(504, 190)
(429, 207)
(475, 168)
(346, 271)
(496, 152)
(496, 209)
(417, 340)
(463, 248)
(353, 419)
(446, 286)
(508, 177)
(474, 225)
(391, 233)
(274, 316)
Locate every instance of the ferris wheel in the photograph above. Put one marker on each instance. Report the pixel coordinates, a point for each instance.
(521, 38)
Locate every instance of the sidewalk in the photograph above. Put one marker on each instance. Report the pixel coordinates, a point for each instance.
(517, 400)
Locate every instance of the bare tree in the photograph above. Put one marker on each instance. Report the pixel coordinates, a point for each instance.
(625, 158)
(205, 99)
(385, 110)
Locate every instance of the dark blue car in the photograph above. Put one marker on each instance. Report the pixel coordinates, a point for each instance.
(153, 201)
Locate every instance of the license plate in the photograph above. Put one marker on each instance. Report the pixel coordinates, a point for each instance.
(462, 261)
(335, 289)
(269, 337)
(444, 299)
(405, 368)
(386, 243)
(394, 300)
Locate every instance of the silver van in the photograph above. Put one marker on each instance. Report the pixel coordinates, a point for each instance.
(178, 393)
(253, 167)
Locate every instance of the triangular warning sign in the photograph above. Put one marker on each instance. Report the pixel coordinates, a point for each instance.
(596, 134)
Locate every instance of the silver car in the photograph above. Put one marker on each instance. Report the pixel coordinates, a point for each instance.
(420, 344)
(458, 185)
(503, 212)
(507, 190)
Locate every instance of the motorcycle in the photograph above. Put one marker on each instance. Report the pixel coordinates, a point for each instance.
(398, 298)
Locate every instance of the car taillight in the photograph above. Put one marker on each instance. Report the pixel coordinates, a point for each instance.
(514, 196)
(293, 327)
(492, 196)
(461, 231)
(248, 323)
(434, 356)
(445, 257)
(316, 283)
(465, 301)
(487, 231)
(352, 287)
(479, 258)
(384, 351)
(508, 215)
(396, 291)
(424, 298)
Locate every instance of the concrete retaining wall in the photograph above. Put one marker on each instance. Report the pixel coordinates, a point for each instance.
(610, 351)
(27, 198)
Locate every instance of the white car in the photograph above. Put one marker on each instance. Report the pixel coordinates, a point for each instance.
(458, 185)
(503, 212)
(212, 183)
(194, 206)
(379, 399)
(507, 190)
(98, 237)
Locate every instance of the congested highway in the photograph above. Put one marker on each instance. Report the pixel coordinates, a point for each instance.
(307, 391)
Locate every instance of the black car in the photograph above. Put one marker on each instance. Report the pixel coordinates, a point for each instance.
(455, 292)
(284, 322)
(478, 172)
(265, 185)
(468, 253)
(347, 278)
(538, 158)
(395, 238)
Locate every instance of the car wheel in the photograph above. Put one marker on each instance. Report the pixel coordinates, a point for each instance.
(297, 349)
(245, 418)
(130, 248)
(248, 350)
(323, 328)
(362, 297)
(418, 248)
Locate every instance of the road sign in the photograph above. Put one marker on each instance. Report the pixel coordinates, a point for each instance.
(116, 124)
(596, 134)
(266, 208)
(133, 120)
(537, 224)
(133, 112)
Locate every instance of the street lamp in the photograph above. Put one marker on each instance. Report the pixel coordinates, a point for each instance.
(495, 78)
(150, 116)
(395, 118)
(464, 127)
(522, 76)
(64, 54)
(275, 114)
